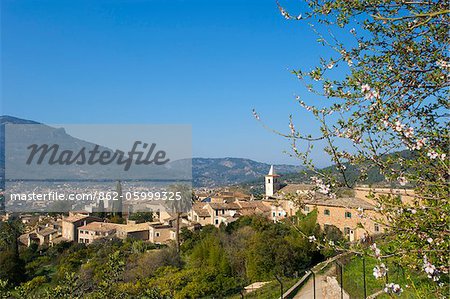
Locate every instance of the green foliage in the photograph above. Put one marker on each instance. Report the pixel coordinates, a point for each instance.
(141, 217)
(214, 263)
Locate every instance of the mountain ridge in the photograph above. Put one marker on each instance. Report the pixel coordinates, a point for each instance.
(206, 172)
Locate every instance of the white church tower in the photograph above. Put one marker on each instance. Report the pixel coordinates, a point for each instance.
(272, 183)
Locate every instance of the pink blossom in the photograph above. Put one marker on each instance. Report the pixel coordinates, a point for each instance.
(420, 143)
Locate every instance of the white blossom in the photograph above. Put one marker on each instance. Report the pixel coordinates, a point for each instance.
(376, 250)
(291, 126)
(429, 268)
(284, 13)
(409, 132)
(413, 211)
(365, 88)
(402, 180)
(255, 115)
(393, 288)
(420, 143)
(380, 271)
(312, 239)
(399, 126)
(432, 154)
(442, 64)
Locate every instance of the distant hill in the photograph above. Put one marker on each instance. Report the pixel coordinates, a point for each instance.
(211, 172)
(374, 176)
(206, 172)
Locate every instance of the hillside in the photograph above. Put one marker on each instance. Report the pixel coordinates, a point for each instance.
(212, 172)
(206, 172)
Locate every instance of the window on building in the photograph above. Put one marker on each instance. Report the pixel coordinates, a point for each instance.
(223, 211)
(217, 221)
(348, 215)
(326, 212)
(268, 181)
(346, 230)
(377, 227)
(306, 209)
(217, 212)
(157, 234)
(274, 214)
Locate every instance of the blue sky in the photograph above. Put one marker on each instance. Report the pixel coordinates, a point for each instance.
(204, 63)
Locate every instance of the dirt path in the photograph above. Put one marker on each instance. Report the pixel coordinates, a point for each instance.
(327, 287)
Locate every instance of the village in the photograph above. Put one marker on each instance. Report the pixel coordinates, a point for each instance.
(356, 216)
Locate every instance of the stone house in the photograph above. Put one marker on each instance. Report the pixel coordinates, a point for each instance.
(355, 217)
(71, 224)
(160, 233)
(96, 230)
(137, 231)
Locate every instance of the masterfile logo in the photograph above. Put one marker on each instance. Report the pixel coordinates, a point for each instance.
(139, 167)
(91, 157)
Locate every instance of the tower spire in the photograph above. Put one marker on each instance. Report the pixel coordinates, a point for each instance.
(272, 182)
(271, 171)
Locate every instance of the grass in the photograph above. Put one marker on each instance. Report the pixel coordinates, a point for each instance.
(415, 285)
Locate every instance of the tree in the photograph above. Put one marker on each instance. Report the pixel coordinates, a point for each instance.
(393, 96)
(11, 266)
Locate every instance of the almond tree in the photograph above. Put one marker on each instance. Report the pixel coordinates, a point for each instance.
(385, 90)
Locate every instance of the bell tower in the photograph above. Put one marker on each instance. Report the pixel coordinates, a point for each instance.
(272, 182)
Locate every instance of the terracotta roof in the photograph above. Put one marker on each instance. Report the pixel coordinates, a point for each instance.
(347, 202)
(295, 188)
(46, 231)
(200, 211)
(100, 226)
(23, 239)
(223, 206)
(134, 227)
(160, 226)
(75, 218)
(254, 204)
